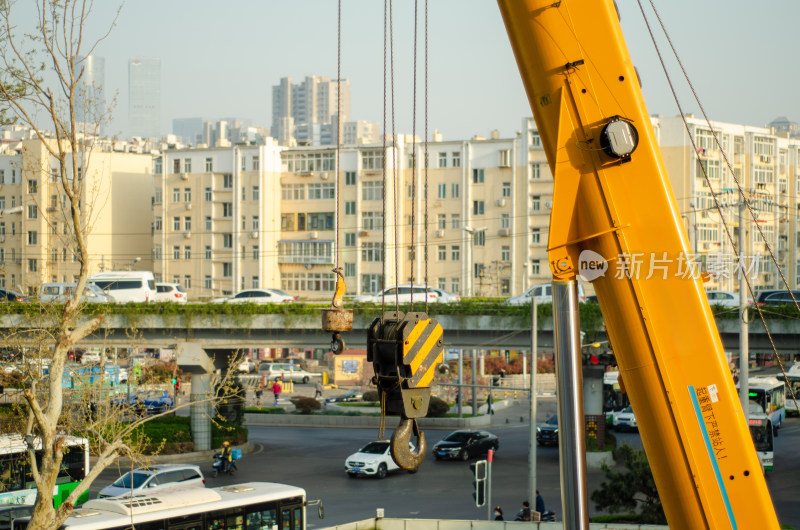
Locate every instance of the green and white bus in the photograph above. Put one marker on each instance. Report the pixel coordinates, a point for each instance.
(16, 479)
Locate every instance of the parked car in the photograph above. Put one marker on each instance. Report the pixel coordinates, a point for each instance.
(543, 293)
(170, 292)
(60, 292)
(374, 459)
(12, 296)
(348, 397)
(723, 298)
(246, 366)
(445, 297)
(625, 420)
(255, 296)
(154, 478)
(462, 445)
(126, 286)
(778, 297)
(147, 402)
(281, 292)
(401, 294)
(286, 372)
(547, 432)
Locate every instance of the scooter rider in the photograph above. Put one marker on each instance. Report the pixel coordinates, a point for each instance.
(227, 456)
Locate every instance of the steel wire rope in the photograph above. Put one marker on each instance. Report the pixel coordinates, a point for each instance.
(425, 133)
(394, 156)
(737, 251)
(383, 166)
(338, 129)
(414, 157)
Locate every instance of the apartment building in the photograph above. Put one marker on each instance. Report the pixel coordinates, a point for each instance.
(767, 166)
(36, 237)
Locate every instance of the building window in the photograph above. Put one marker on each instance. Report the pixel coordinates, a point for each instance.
(32, 211)
(227, 181)
(372, 159)
(254, 282)
(208, 252)
(33, 186)
(535, 267)
(536, 140)
(455, 285)
(442, 255)
(158, 198)
(176, 252)
(187, 165)
(536, 203)
(372, 190)
(477, 176)
(256, 222)
(227, 270)
(506, 189)
(479, 238)
(371, 220)
(244, 193)
(176, 195)
(207, 281)
(256, 193)
(227, 209)
(209, 165)
(455, 221)
(350, 269)
(371, 251)
(320, 220)
(209, 223)
(455, 253)
(349, 178)
(255, 252)
(187, 194)
(371, 283)
(442, 160)
(441, 221)
(157, 252)
(456, 159)
(293, 192)
(318, 191)
(256, 164)
(477, 207)
(227, 240)
(441, 191)
(207, 195)
(187, 281)
(350, 239)
(536, 171)
(505, 253)
(32, 237)
(32, 265)
(505, 158)
(187, 252)
(505, 286)
(176, 223)
(535, 236)
(176, 165)
(455, 190)
(187, 224)
(505, 220)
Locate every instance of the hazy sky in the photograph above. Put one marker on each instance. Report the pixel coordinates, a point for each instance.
(222, 58)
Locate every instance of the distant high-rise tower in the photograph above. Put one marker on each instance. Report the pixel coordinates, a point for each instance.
(299, 111)
(144, 97)
(90, 103)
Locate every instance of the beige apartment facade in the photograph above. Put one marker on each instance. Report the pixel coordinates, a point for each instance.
(37, 243)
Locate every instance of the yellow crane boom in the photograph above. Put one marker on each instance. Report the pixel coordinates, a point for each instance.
(615, 216)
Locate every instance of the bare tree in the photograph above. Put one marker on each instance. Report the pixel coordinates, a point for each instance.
(42, 86)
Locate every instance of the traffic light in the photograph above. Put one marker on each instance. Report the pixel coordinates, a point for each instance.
(479, 484)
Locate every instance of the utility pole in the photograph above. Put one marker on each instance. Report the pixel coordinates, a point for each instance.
(532, 436)
(744, 346)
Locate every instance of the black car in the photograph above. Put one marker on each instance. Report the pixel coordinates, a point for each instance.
(11, 296)
(547, 432)
(461, 445)
(778, 297)
(347, 397)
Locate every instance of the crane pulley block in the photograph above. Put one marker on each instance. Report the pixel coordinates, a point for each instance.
(405, 350)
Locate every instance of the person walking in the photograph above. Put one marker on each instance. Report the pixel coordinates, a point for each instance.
(489, 402)
(498, 513)
(276, 391)
(317, 390)
(539, 502)
(259, 393)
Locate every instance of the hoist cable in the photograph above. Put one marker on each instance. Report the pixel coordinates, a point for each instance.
(394, 158)
(413, 254)
(738, 252)
(425, 159)
(383, 166)
(338, 125)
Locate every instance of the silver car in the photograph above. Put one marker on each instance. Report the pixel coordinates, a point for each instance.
(153, 478)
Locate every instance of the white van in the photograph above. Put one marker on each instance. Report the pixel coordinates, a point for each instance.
(127, 286)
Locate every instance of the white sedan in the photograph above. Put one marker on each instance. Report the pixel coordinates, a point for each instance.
(255, 296)
(401, 294)
(724, 298)
(373, 459)
(625, 420)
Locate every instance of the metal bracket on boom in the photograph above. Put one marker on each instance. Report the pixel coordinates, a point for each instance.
(405, 351)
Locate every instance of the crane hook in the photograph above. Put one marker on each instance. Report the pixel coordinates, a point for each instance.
(405, 457)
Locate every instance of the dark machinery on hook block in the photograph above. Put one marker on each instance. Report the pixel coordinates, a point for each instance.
(405, 351)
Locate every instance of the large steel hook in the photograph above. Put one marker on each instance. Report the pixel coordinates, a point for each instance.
(405, 457)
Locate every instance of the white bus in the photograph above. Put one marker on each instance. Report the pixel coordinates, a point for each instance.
(614, 399)
(126, 286)
(761, 432)
(16, 479)
(248, 506)
(770, 395)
